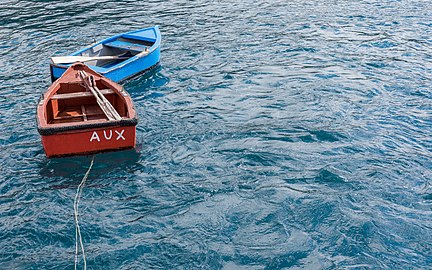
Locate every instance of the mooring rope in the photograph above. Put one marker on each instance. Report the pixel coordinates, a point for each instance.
(77, 227)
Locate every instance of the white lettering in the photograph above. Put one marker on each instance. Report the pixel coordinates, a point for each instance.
(95, 136)
(120, 135)
(110, 135)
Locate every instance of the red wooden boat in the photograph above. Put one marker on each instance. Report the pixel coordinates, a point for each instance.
(83, 113)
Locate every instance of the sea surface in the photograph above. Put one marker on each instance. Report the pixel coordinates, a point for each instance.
(273, 135)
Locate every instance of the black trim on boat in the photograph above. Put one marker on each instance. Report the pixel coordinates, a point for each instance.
(56, 130)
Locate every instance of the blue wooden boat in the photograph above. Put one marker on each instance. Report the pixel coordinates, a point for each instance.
(118, 58)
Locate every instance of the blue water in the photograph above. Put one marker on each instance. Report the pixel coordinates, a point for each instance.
(274, 135)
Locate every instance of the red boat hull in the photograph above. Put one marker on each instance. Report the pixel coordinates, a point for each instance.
(88, 141)
(83, 113)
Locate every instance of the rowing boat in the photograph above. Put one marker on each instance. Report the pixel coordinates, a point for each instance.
(118, 58)
(83, 112)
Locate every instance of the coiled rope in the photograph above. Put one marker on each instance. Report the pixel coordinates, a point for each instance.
(77, 227)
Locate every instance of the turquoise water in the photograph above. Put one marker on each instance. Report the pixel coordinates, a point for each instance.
(282, 134)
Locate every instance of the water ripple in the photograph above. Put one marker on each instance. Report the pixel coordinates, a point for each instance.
(273, 135)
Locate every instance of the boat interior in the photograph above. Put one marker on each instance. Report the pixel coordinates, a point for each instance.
(73, 102)
(122, 47)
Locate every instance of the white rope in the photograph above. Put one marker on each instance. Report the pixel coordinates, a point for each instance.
(77, 227)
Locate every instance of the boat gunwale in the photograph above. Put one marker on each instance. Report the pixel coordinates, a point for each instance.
(84, 126)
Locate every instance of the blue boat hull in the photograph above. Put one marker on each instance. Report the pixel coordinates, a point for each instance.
(145, 58)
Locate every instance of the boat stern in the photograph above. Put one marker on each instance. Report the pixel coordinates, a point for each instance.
(89, 141)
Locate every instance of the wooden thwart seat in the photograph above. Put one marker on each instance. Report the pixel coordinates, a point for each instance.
(81, 94)
(126, 45)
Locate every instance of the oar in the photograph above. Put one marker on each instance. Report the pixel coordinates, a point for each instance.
(102, 101)
(73, 59)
